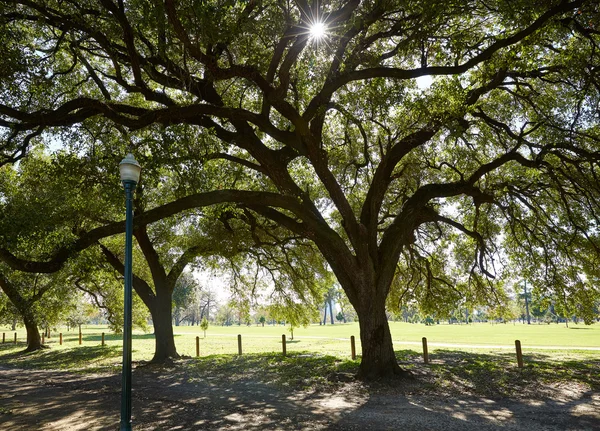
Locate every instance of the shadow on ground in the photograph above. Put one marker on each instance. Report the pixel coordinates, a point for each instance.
(458, 391)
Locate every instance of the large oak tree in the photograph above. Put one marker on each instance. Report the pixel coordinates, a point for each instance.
(423, 190)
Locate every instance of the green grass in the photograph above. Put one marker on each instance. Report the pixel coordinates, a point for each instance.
(327, 339)
(319, 355)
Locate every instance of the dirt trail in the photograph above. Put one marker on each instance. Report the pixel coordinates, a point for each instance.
(49, 401)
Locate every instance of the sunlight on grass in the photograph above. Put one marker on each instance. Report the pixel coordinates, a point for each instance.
(318, 355)
(318, 363)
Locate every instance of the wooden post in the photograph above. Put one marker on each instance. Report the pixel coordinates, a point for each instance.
(239, 344)
(3, 337)
(425, 351)
(80, 340)
(197, 347)
(103, 338)
(519, 354)
(15, 338)
(60, 338)
(43, 339)
(353, 347)
(283, 346)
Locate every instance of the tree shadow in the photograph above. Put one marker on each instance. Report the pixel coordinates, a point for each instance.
(390, 410)
(497, 375)
(189, 398)
(84, 357)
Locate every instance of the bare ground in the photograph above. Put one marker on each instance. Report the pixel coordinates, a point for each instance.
(51, 400)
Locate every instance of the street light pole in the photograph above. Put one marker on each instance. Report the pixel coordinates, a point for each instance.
(130, 174)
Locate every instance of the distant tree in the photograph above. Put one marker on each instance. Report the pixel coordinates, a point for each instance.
(80, 312)
(204, 325)
(295, 313)
(328, 299)
(186, 296)
(525, 297)
(262, 320)
(224, 315)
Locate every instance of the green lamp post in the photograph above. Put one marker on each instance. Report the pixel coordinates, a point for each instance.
(130, 175)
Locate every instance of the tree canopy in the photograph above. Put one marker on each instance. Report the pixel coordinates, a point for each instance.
(428, 191)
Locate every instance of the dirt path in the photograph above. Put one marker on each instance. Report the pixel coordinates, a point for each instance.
(45, 401)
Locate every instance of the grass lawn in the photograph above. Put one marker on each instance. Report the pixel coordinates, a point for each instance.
(331, 340)
(319, 352)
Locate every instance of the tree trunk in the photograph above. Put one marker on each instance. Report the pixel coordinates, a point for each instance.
(526, 303)
(378, 358)
(331, 311)
(34, 340)
(163, 327)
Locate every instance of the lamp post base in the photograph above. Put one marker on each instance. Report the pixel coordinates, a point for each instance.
(125, 426)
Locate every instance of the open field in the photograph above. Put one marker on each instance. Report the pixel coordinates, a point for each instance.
(327, 339)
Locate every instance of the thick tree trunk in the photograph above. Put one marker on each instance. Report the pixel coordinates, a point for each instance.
(34, 340)
(163, 327)
(378, 357)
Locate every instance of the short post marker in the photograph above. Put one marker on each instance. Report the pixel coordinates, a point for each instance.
(103, 339)
(197, 347)
(15, 338)
(80, 339)
(283, 345)
(353, 347)
(43, 338)
(60, 338)
(519, 354)
(3, 337)
(239, 344)
(425, 351)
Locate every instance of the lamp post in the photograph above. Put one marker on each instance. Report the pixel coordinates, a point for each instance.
(130, 175)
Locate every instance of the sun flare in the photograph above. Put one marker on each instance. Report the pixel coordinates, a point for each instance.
(317, 30)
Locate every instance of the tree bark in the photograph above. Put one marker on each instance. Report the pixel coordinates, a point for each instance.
(378, 357)
(162, 320)
(34, 340)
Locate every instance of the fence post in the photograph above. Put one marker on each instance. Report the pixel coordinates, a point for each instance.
(15, 338)
(60, 338)
(197, 347)
(239, 344)
(519, 354)
(283, 345)
(3, 337)
(425, 351)
(353, 347)
(80, 340)
(103, 339)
